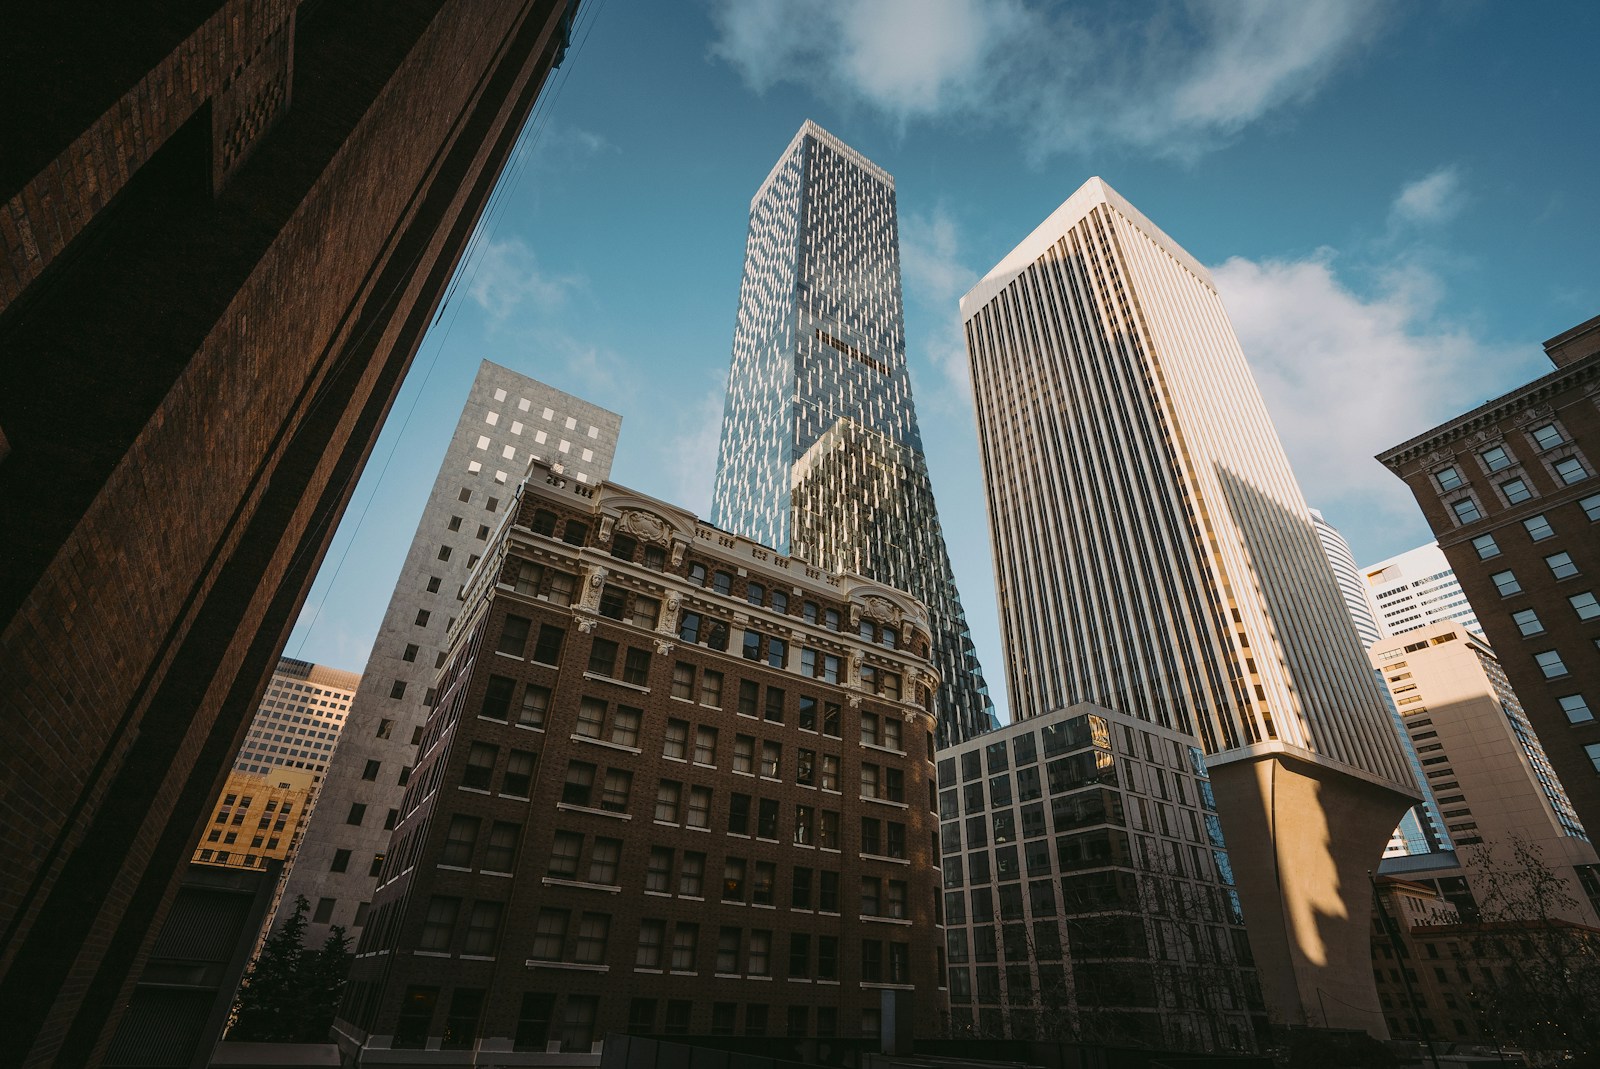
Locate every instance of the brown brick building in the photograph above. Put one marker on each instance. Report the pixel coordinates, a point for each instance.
(224, 227)
(674, 783)
(1511, 491)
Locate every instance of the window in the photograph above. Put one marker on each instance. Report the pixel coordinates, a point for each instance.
(514, 635)
(1561, 565)
(1495, 458)
(370, 773)
(773, 710)
(593, 930)
(1506, 583)
(439, 925)
(752, 645)
(416, 1016)
(497, 698)
(1447, 478)
(699, 812)
(744, 754)
(728, 940)
(711, 688)
(799, 954)
(806, 769)
(829, 780)
(625, 726)
(685, 945)
(777, 652)
(755, 593)
(603, 657)
(615, 790)
(410, 653)
(1585, 605)
(591, 718)
(804, 821)
(767, 819)
(324, 911)
(739, 814)
(828, 830)
(501, 853)
(683, 681)
(636, 667)
(1527, 622)
(1592, 750)
(1550, 663)
(827, 957)
(1577, 709)
(1466, 510)
(563, 588)
(1516, 490)
(341, 861)
(1570, 470)
(722, 582)
(705, 746)
(749, 695)
(1591, 506)
(1547, 436)
(549, 935)
(579, 785)
(771, 760)
(658, 870)
(613, 601)
(422, 616)
(483, 928)
(444, 552)
(669, 794)
(689, 627)
(1538, 528)
(652, 937)
(675, 744)
(830, 719)
(564, 851)
(460, 840)
(518, 780)
(548, 649)
(480, 766)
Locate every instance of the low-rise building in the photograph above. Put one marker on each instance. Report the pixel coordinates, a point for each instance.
(674, 782)
(1087, 888)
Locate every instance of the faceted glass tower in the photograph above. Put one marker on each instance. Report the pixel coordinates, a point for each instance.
(821, 458)
(1155, 555)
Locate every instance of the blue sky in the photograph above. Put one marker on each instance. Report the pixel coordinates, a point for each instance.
(1398, 202)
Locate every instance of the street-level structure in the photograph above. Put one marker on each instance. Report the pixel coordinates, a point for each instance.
(1092, 838)
(1154, 555)
(821, 457)
(508, 418)
(675, 782)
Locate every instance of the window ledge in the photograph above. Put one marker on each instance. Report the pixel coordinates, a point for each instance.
(608, 744)
(598, 678)
(574, 966)
(799, 979)
(568, 807)
(431, 953)
(509, 656)
(581, 885)
(644, 969)
(885, 857)
(886, 801)
(455, 868)
(477, 957)
(473, 790)
(874, 918)
(875, 985)
(675, 760)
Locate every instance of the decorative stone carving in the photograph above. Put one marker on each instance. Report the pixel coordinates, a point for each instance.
(663, 647)
(590, 596)
(855, 701)
(1535, 413)
(604, 534)
(677, 554)
(585, 624)
(645, 526)
(882, 610)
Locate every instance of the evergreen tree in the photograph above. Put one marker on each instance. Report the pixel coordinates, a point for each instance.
(271, 1002)
(324, 974)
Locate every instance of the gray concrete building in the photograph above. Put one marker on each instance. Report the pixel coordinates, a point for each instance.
(509, 419)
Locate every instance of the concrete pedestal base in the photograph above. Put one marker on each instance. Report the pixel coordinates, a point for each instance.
(1302, 839)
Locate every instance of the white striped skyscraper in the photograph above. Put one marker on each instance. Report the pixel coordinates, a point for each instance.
(1154, 554)
(821, 457)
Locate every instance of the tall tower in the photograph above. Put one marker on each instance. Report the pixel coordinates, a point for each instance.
(1416, 588)
(821, 458)
(1154, 554)
(508, 420)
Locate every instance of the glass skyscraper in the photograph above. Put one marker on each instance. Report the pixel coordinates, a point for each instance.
(821, 457)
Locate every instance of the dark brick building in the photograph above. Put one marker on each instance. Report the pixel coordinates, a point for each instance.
(675, 783)
(1511, 491)
(224, 228)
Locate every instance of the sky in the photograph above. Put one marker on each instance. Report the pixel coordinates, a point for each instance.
(1397, 202)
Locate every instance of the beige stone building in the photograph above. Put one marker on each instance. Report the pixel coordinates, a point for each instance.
(1485, 765)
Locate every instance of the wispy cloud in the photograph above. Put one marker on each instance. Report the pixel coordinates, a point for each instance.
(1172, 78)
(507, 280)
(1435, 198)
(1346, 375)
(691, 450)
(934, 277)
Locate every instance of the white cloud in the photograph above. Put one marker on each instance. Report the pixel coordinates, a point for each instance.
(691, 451)
(1435, 198)
(1346, 376)
(507, 279)
(934, 277)
(1172, 78)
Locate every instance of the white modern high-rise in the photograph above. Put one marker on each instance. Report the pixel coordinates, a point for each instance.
(1345, 572)
(1415, 589)
(1154, 554)
(508, 420)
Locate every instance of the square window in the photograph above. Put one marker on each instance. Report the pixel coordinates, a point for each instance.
(1550, 663)
(1495, 458)
(1570, 470)
(1466, 510)
(1448, 478)
(1577, 709)
(1538, 528)
(1561, 565)
(1527, 622)
(1547, 436)
(1585, 605)
(1516, 491)
(1506, 583)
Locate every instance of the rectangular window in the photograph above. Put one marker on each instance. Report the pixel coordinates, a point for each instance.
(767, 819)
(1547, 436)
(658, 870)
(514, 635)
(685, 946)
(744, 754)
(604, 858)
(800, 888)
(549, 935)
(636, 667)
(760, 946)
(1550, 663)
(625, 726)
(749, 698)
(591, 718)
(1585, 605)
(1561, 565)
(828, 830)
(1447, 478)
(480, 766)
(1516, 491)
(548, 649)
(1495, 458)
(675, 743)
(705, 746)
(771, 760)
(683, 681)
(1527, 622)
(535, 704)
(614, 792)
(739, 814)
(501, 853)
(644, 612)
(669, 795)
(1506, 583)
(563, 588)
(711, 688)
(460, 840)
(1570, 470)
(593, 931)
(830, 719)
(1466, 510)
(652, 938)
(579, 786)
(778, 649)
(497, 698)
(728, 940)
(578, 1013)
(1538, 528)
(1590, 506)
(1576, 706)
(603, 657)
(564, 852)
(774, 706)
(439, 925)
(699, 811)
(483, 928)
